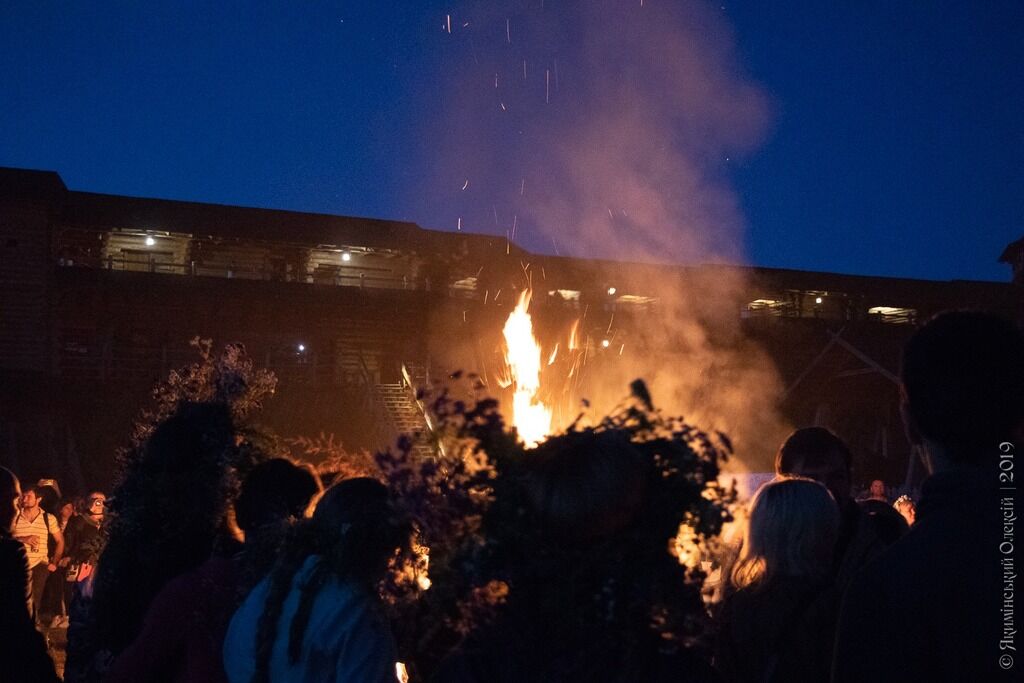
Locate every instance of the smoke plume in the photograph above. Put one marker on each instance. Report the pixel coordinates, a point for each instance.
(605, 129)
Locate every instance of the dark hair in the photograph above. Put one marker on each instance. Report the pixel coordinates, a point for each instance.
(585, 485)
(274, 491)
(49, 495)
(808, 446)
(354, 533)
(274, 494)
(165, 516)
(963, 381)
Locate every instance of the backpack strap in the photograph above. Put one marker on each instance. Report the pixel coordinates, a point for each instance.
(50, 538)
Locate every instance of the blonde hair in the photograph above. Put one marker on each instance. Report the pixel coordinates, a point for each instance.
(791, 531)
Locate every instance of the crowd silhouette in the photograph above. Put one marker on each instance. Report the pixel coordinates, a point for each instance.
(216, 560)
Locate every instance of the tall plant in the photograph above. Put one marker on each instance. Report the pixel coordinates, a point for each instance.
(488, 556)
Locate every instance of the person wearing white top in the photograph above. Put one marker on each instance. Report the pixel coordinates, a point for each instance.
(33, 527)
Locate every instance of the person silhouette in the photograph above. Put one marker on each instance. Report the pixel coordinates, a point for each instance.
(818, 454)
(318, 615)
(929, 608)
(780, 624)
(23, 654)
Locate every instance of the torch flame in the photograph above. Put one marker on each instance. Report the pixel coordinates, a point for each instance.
(530, 416)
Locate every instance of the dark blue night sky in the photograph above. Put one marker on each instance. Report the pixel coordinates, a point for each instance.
(873, 137)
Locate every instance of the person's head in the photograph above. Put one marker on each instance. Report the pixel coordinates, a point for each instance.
(66, 510)
(963, 387)
(905, 506)
(818, 454)
(585, 485)
(10, 494)
(184, 465)
(877, 489)
(354, 532)
(791, 532)
(181, 487)
(357, 530)
(192, 438)
(31, 497)
(274, 491)
(95, 503)
(49, 495)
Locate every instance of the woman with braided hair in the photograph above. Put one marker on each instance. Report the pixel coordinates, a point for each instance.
(318, 617)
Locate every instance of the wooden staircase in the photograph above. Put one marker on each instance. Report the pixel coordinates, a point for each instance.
(405, 415)
(396, 409)
(400, 407)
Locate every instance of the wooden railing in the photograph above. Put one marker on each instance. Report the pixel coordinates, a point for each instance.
(342, 276)
(413, 390)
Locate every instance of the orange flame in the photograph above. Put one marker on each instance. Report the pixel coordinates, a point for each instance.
(531, 417)
(574, 340)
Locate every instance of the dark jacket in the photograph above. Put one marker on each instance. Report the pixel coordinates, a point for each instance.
(781, 631)
(82, 542)
(183, 632)
(858, 544)
(928, 609)
(23, 655)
